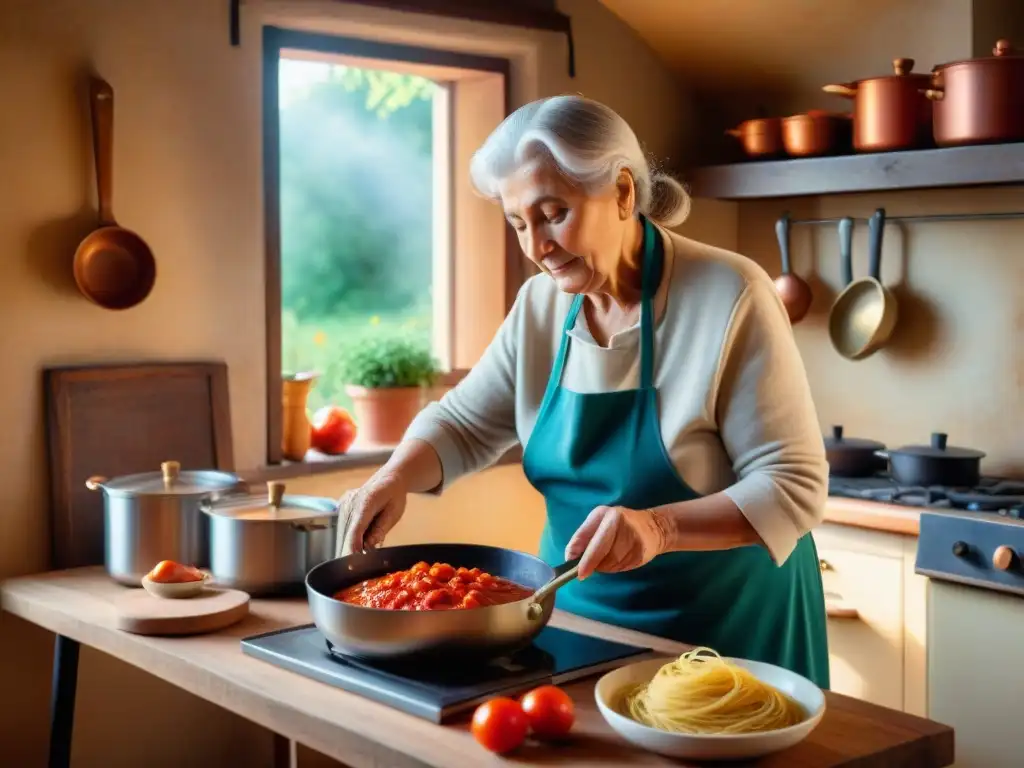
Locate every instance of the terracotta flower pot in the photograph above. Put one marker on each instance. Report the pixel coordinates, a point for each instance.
(383, 415)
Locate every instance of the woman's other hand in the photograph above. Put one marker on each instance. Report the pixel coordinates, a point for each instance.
(618, 539)
(372, 510)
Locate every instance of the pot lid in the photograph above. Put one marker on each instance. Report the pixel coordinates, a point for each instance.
(901, 68)
(1002, 51)
(273, 506)
(939, 450)
(840, 443)
(169, 481)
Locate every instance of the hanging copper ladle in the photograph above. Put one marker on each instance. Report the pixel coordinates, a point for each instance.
(793, 289)
(113, 266)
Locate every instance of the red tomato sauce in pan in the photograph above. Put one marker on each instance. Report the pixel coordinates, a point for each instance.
(437, 587)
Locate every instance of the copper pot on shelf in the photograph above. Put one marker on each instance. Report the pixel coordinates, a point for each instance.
(891, 112)
(816, 133)
(979, 101)
(760, 138)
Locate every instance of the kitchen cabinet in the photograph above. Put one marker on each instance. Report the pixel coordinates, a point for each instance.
(876, 624)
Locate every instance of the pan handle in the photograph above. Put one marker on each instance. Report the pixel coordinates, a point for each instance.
(846, 249)
(782, 233)
(563, 575)
(876, 226)
(101, 96)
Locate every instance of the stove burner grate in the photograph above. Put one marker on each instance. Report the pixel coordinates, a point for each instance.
(993, 495)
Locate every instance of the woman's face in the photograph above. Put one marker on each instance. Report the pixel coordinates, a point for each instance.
(575, 237)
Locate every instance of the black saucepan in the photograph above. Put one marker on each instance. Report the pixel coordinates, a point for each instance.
(399, 636)
(852, 456)
(935, 464)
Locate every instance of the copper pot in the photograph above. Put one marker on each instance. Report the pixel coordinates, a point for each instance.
(816, 133)
(760, 138)
(979, 101)
(891, 112)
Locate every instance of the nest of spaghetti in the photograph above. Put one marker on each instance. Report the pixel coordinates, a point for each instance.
(700, 693)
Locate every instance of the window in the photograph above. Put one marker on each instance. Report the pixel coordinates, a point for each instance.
(371, 224)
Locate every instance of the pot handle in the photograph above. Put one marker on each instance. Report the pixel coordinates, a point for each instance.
(882, 454)
(736, 133)
(935, 93)
(838, 89)
(95, 483)
(563, 575)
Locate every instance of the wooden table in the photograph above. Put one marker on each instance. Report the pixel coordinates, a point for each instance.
(76, 606)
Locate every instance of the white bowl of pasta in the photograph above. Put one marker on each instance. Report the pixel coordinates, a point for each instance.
(705, 707)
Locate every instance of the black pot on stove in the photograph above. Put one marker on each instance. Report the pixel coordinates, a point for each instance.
(852, 456)
(935, 464)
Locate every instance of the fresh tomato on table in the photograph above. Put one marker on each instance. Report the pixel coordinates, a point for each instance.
(499, 725)
(502, 724)
(549, 710)
(333, 430)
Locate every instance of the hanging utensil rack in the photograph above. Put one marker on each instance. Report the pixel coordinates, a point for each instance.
(928, 217)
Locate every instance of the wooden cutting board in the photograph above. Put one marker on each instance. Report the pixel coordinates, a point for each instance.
(139, 612)
(114, 420)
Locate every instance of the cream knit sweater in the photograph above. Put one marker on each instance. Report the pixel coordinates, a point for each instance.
(735, 407)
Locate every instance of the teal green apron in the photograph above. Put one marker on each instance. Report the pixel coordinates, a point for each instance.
(588, 450)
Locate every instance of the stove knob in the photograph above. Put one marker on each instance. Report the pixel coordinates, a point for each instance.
(960, 549)
(1004, 558)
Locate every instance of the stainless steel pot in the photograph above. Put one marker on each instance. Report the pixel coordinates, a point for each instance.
(266, 544)
(155, 516)
(403, 636)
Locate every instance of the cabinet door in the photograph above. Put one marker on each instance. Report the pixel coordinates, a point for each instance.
(864, 598)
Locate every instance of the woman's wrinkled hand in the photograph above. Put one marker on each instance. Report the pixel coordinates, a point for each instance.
(372, 510)
(618, 539)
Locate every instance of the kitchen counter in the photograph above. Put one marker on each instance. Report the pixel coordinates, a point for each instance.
(77, 605)
(873, 515)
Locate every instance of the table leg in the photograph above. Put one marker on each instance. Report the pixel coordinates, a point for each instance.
(62, 700)
(286, 752)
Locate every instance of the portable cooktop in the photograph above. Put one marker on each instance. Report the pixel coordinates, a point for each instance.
(435, 692)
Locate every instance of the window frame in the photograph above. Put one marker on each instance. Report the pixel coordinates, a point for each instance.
(275, 41)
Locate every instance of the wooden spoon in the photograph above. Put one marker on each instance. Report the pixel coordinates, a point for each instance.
(793, 289)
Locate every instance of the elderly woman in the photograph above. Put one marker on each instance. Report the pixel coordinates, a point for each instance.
(656, 386)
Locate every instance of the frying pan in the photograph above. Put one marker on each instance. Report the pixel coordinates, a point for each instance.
(793, 289)
(113, 266)
(864, 314)
(381, 634)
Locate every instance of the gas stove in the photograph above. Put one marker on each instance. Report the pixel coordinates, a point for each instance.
(993, 494)
(437, 693)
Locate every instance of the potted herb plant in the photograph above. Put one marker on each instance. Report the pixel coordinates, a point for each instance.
(387, 376)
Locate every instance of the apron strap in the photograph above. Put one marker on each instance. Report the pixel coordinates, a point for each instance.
(650, 276)
(653, 258)
(563, 349)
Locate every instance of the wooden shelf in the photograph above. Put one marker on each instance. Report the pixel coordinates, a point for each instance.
(988, 165)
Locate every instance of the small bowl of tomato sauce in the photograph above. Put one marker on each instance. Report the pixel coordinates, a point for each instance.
(172, 580)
